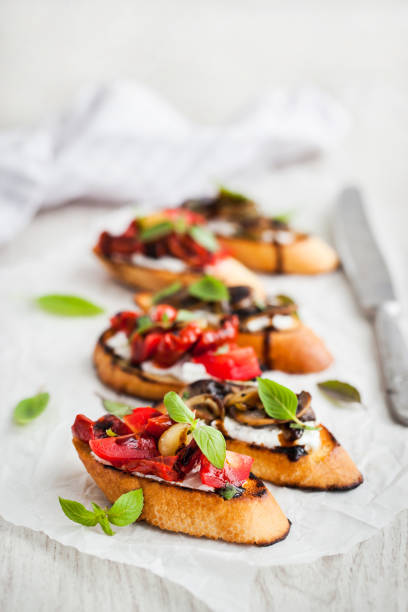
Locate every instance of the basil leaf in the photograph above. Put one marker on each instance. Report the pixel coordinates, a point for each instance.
(177, 409)
(231, 195)
(78, 513)
(180, 225)
(127, 508)
(30, 408)
(300, 425)
(285, 300)
(167, 291)
(102, 519)
(209, 289)
(68, 305)
(116, 408)
(204, 237)
(144, 323)
(111, 433)
(211, 443)
(284, 217)
(340, 391)
(185, 395)
(156, 231)
(186, 315)
(229, 491)
(104, 523)
(279, 402)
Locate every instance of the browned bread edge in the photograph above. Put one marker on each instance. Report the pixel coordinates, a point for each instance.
(330, 468)
(124, 378)
(253, 518)
(306, 255)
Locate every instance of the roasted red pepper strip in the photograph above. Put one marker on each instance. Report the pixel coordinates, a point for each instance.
(123, 449)
(139, 418)
(157, 425)
(239, 363)
(163, 467)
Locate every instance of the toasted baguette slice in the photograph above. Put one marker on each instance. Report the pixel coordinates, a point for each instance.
(330, 468)
(124, 378)
(306, 255)
(295, 351)
(229, 270)
(253, 518)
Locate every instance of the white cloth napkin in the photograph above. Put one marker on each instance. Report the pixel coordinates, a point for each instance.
(122, 142)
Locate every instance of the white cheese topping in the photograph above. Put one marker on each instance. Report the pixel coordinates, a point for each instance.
(172, 264)
(187, 371)
(222, 227)
(120, 345)
(281, 322)
(208, 316)
(269, 436)
(284, 236)
(258, 323)
(191, 481)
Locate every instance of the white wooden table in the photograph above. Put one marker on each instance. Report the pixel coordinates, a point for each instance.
(210, 58)
(37, 574)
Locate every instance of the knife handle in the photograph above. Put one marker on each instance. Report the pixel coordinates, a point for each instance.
(393, 353)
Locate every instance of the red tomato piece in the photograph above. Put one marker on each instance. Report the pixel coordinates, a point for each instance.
(124, 321)
(240, 363)
(164, 310)
(119, 451)
(137, 421)
(144, 347)
(163, 467)
(235, 471)
(82, 428)
(157, 425)
(172, 347)
(214, 338)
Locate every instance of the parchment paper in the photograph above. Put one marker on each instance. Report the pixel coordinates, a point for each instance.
(40, 351)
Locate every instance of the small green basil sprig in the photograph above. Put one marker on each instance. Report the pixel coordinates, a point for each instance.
(30, 408)
(126, 510)
(210, 441)
(208, 288)
(280, 403)
(199, 233)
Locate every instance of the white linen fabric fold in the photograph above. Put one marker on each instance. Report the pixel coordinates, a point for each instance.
(121, 142)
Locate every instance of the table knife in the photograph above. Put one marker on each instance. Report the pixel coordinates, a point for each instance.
(368, 274)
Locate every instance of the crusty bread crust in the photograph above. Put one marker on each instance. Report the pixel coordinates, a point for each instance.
(305, 255)
(228, 269)
(146, 278)
(116, 374)
(330, 468)
(253, 518)
(296, 351)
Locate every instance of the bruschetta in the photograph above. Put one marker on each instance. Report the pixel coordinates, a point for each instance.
(148, 355)
(183, 491)
(273, 327)
(261, 243)
(169, 246)
(304, 458)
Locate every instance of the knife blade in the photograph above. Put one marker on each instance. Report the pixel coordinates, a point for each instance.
(368, 274)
